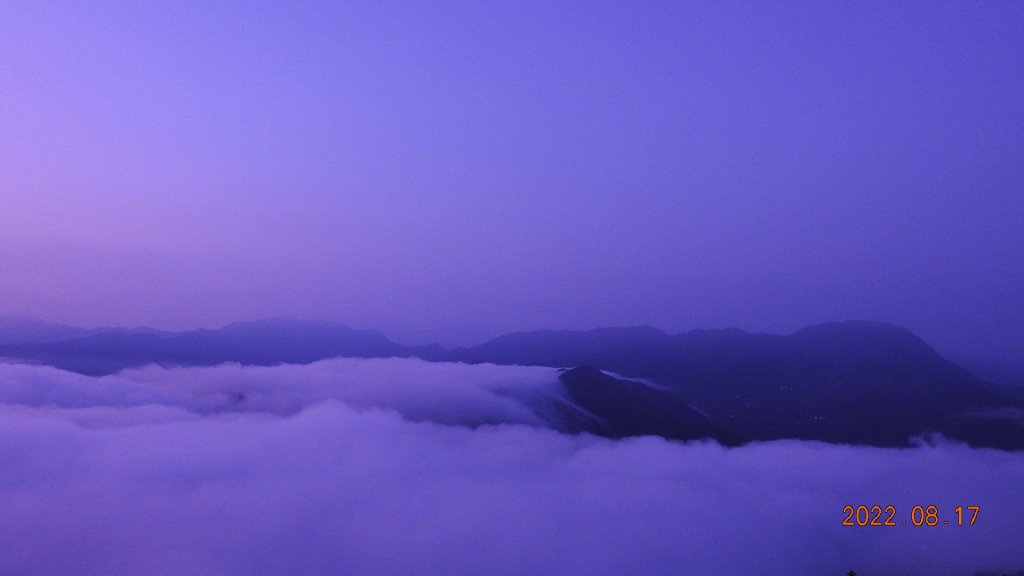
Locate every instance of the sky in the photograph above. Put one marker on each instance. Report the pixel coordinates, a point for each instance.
(462, 169)
(352, 466)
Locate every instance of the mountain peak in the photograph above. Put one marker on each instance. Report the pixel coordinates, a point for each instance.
(866, 338)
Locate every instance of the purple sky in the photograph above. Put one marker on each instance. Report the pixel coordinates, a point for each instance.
(469, 168)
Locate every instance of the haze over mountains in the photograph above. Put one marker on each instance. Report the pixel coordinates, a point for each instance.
(853, 382)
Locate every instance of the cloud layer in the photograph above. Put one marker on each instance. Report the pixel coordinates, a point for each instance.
(348, 467)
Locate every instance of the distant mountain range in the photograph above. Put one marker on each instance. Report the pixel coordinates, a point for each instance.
(853, 382)
(263, 343)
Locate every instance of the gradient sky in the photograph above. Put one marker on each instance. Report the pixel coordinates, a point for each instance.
(472, 168)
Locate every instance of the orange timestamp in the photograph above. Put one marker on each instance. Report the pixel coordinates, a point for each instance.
(919, 516)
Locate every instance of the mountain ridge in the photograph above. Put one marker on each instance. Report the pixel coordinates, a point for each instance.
(854, 382)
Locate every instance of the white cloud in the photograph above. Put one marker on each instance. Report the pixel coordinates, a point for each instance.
(157, 471)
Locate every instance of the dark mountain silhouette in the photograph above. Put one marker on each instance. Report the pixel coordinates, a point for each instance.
(23, 330)
(624, 408)
(264, 342)
(851, 382)
(18, 330)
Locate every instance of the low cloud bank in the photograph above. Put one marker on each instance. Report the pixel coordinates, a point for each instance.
(444, 393)
(346, 467)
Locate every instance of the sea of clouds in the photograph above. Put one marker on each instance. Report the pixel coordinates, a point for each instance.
(401, 466)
